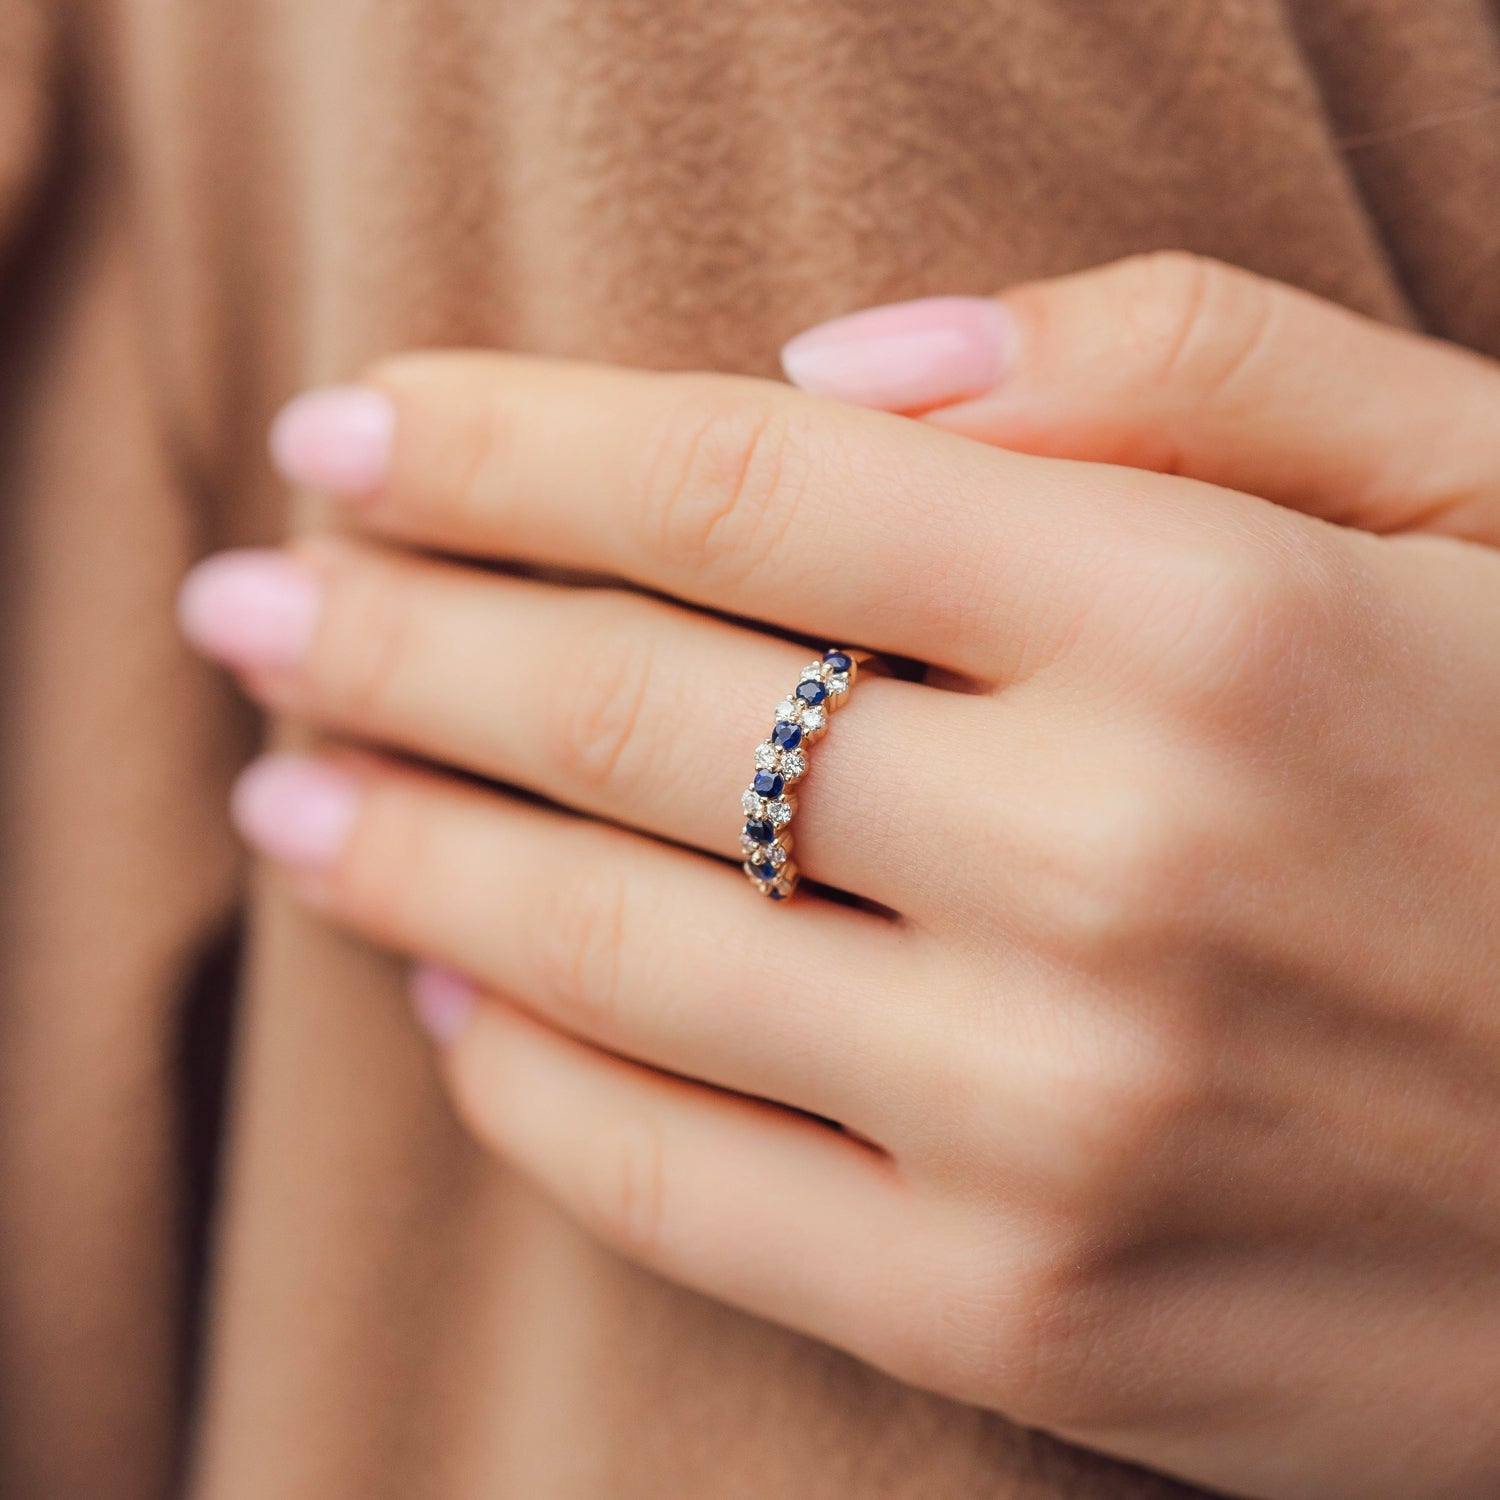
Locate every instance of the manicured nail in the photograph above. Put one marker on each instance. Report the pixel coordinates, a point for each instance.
(908, 356)
(295, 809)
(442, 1000)
(252, 609)
(337, 438)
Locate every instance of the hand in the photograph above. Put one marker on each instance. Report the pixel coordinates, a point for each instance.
(1163, 1043)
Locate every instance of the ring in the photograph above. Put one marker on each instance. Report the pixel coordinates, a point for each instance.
(781, 762)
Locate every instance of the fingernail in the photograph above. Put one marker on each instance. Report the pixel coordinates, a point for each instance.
(295, 809)
(442, 1000)
(251, 609)
(908, 356)
(336, 438)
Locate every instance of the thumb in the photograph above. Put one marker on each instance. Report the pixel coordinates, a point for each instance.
(1183, 365)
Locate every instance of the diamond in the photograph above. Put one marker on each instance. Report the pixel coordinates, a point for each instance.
(780, 761)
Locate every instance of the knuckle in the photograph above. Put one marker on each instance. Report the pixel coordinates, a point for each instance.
(624, 1193)
(1235, 601)
(595, 721)
(364, 641)
(477, 1096)
(477, 481)
(458, 438)
(983, 1314)
(581, 930)
(1239, 621)
(1137, 1099)
(721, 478)
(1195, 323)
(1035, 1323)
(1055, 1349)
(937, 1333)
(386, 864)
(1021, 1322)
(1117, 873)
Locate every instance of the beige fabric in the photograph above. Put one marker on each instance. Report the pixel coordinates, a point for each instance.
(210, 205)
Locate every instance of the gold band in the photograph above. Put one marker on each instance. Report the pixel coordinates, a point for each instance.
(780, 763)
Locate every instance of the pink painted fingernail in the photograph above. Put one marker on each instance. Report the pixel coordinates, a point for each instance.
(251, 609)
(442, 1000)
(907, 356)
(295, 809)
(336, 438)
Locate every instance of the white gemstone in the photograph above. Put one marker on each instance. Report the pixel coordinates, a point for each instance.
(779, 812)
(778, 855)
(839, 683)
(748, 846)
(789, 709)
(793, 764)
(813, 719)
(754, 804)
(812, 672)
(767, 756)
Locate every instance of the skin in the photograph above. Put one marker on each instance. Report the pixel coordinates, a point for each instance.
(1163, 1042)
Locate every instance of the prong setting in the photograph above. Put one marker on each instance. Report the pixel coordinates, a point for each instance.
(780, 761)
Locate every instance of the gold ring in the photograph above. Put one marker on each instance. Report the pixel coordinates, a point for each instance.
(781, 762)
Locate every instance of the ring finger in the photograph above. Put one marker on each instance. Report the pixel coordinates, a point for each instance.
(610, 702)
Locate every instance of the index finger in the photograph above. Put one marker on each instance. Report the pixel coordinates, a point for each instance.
(753, 499)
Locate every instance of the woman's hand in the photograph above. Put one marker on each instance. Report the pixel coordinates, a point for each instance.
(1165, 1042)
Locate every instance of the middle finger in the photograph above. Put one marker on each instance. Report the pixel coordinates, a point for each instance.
(746, 497)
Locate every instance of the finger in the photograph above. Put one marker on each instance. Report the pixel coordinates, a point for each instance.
(757, 501)
(608, 701)
(765, 1210)
(1183, 365)
(641, 948)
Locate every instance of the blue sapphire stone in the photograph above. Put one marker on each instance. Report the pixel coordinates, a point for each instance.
(760, 831)
(777, 895)
(765, 869)
(768, 783)
(786, 736)
(838, 661)
(811, 692)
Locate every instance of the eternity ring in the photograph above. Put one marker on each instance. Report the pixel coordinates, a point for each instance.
(781, 762)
